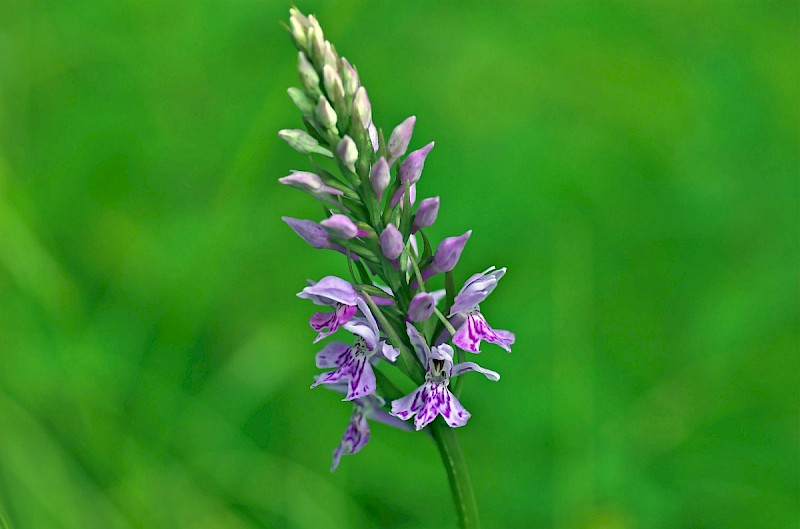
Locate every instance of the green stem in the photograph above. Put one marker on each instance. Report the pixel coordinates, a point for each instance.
(457, 474)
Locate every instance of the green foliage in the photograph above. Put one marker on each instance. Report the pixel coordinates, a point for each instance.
(633, 164)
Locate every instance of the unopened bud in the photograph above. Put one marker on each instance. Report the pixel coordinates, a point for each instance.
(340, 226)
(333, 83)
(301, 101)
(421, 307)
(427, 212)
(391, 242)
(362, 108)
(349, 78)
(400, 138)
(411, 168)
(449, 252)
(379, 177)
(308, 75)
(348, 153)
(303, 142)
(325, 114)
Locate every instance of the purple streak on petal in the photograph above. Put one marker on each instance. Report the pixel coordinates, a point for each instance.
(460, 369)
(406, 407)
(421, 307)
(454, 414)
(332, 355)
(476, 289)
(400, 138)
(309, 231)
(362, 379)
(330, 290)
(411, 168)
(356, 436)
(391, 241)
(469, 336)
(331, 320)
(340, 226)
(449, 252)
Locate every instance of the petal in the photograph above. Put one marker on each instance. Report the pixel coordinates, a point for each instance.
(362, 379)
(476, 289)
(360, 328)
(331, 320)
(364, 308)
(442, 402)
(475, 329)
(420, 347)
(460, 369)
(333, 354)
(389, 353)
(406, 407)
(436, 401)
(454, 414)
(356, 436)
(329, 291)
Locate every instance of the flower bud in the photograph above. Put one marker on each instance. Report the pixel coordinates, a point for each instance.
(427, 212)
(301, 101)
(391, 242)
(302, 142)
(308, 75)
(329, 57)
(348, 153)
(340, 226)
(379, 177)
(411, 168)
(421, 307)
(333, 83)
(309, 231)
(298, 33)
(312, 22)
(326, 115)
(373, 136)
(449, 252)
(310, 183)
(362, 108)
(400, 138)
(349, 78)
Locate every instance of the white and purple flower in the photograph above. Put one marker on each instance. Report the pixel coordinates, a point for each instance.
(352, 363)
(356, 435)
(433, 398)
(474, 327)
(333, 292)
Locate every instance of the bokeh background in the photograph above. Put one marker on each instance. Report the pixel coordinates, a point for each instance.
(634, 164)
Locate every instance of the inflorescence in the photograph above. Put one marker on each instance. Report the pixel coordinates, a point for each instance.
(368, 197)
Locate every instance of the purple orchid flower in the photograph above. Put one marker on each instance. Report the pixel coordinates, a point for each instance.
(353, 362)
(474, 328)
(433, 398)
(333, 292)
(357, 433)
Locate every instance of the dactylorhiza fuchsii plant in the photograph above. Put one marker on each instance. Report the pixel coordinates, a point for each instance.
(384, 316)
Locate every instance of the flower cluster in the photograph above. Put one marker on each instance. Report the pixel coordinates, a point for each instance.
(368, 188)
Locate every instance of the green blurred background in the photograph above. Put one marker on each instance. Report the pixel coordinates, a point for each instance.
(634, 164)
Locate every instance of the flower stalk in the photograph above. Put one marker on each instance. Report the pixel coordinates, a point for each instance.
(388, 307)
